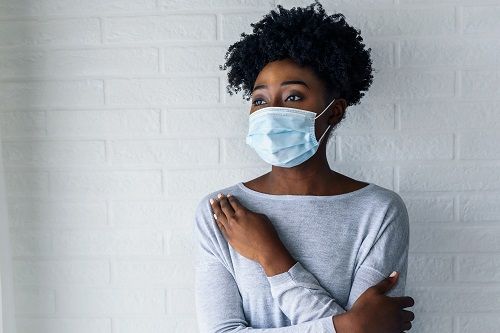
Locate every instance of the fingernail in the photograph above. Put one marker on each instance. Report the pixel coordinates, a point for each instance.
(229, 195)
(211, 200)
(215, 216)
(220, 195)
(392, 274)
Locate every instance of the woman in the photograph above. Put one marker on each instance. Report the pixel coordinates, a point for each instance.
(302, 248)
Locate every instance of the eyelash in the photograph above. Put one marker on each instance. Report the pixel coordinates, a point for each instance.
(260, 99)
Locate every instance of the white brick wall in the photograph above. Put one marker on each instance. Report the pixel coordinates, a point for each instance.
(115, 120)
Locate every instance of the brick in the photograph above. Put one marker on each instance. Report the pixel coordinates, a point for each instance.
(400, 21)
(54, 272)
(160, 91)
(214, 4)
(478, 322)
(64, 325)
(170, 153)
(22, 123)
(479, 207)
(478, 268)
(205, 122)
(180, 301)
(425, 268)
(449, 115)
(77, 31)
(450, 52)
(26, 183)
(160, 28)
(35, 301)
(488, 141)
(108, 242)
(103, 122)
(71, 7)
(117, 183)
(163, 214)
(159, 273)
(380, 175)
(367, 116)
(54, 214)
(33, 243)
(159, 323)
(56, 153)
(429, 208)
(441, 239)
(481, 19)
(233, 25)
(74, 93)
(449, 178)
(453, 299)
(194, 58)
(429, 323)
(106, 301)
(412, 84)
(387, 147)
(178, 242)
(481, 84)
(109, 61)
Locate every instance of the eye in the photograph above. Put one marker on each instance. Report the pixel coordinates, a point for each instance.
(256, 100)
(295, 96)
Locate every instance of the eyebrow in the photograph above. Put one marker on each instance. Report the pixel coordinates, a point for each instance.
(284, 83)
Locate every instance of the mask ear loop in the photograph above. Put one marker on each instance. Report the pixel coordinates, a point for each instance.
(328, 125)
(325, 109)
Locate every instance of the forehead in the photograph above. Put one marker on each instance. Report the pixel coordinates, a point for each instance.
(286, 69)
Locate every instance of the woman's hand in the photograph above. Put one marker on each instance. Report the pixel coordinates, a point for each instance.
(374, 312)
(248, 232)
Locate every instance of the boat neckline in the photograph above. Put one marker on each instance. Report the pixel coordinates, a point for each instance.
(304, 196)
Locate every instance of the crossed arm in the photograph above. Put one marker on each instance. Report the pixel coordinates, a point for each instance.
(300, 296)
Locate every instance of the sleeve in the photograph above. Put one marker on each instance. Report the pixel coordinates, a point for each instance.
(300, 295)
(388, 253)
(219, 307)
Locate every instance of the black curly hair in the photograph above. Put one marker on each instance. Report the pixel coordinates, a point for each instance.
(327, 44)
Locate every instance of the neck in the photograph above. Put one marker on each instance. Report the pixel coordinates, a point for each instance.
(313, 177)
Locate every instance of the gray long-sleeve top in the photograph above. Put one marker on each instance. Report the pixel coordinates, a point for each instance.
(343, 244)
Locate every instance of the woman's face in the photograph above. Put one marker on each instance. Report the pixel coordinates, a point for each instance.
(285, 83)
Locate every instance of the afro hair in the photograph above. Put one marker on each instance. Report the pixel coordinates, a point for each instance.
(327, 44)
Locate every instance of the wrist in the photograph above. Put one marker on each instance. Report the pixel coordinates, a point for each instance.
(345, 323)
(278, 262)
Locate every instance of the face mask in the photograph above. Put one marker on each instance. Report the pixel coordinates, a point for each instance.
(284, 136)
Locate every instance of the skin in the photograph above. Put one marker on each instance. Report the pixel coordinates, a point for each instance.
(252, 235)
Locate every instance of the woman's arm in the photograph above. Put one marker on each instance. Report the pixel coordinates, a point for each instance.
(251, 234)
(299, 288)
(297, 291)
(388, 253)
(218, 302)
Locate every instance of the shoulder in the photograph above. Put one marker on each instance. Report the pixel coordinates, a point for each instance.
(386, 197)
(203, 219)
(203, 204)
(391, 210)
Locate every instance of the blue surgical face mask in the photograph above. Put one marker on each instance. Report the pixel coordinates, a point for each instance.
(284, 136)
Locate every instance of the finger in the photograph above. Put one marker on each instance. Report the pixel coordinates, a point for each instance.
(226, 207)
(404, 301)
(218, 214)
(222, 229)
(386, 284)
(406, 326)
(407, 315)
(235, 203)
